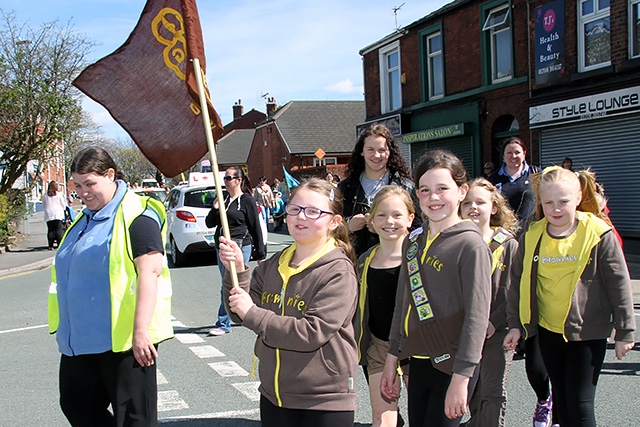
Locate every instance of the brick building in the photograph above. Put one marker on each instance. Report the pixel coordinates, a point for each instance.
(293, 134)
(585, 96)
(562, 75)
(455, 79)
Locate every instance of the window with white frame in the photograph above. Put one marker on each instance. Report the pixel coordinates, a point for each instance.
(498, 27)
(435, 60)
(325, 161)
(594, 34)
(634, 28)
(390, 94)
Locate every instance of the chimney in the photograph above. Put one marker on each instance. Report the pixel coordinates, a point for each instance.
(238, 110)
(271, 106)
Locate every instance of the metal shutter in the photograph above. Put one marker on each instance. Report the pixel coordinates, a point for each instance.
(611, 149)
(461, 147)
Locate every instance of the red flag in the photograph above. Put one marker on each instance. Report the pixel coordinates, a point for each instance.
(142, 85)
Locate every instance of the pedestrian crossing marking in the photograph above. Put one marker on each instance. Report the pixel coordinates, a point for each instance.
(160, 379)
(250, 390)
(204, 351)
(189, 338)
(228, 369)
(178, 325)
(170, 401)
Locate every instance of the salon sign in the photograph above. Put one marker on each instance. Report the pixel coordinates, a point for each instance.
(597, 106)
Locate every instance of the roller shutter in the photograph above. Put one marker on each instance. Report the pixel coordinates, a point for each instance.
(461, 147)
(611, 148)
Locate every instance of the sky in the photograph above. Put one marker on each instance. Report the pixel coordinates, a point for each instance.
(285, 49)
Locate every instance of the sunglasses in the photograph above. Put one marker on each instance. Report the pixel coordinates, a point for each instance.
(229, 178)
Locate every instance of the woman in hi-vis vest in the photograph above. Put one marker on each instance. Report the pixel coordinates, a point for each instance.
(110, 299)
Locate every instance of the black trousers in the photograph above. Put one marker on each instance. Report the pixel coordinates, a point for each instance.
(274, 416)
(55, 231)
(427, 391)
(90, 383)
(537, 372)
(574, 368)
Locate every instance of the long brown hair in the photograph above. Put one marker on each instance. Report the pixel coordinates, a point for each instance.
(336, 204)
(395, 163)
(52, 189)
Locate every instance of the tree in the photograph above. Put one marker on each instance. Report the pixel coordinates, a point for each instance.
(38, 105)
(130, 161)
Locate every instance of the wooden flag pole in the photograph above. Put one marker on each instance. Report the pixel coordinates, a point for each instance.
(214, 163)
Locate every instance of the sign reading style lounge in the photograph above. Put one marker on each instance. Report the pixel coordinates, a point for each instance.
(600, 105)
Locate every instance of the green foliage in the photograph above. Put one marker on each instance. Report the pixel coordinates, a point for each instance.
(38, 104)
(12, 208)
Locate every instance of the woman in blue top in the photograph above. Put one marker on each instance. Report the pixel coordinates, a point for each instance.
(109, 301)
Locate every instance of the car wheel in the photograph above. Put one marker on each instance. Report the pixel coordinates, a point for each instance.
(177, 258)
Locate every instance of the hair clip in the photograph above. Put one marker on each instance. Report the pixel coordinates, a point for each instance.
(331, 195)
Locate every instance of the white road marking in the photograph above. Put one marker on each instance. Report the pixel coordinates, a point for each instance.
(23, 329)
(170, 401)
(228, 369)
(189, 338)
(205, 351)
(228, 414)
(160, 379)
(178, 325)
(250, 390)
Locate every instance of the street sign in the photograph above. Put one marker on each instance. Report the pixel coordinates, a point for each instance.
(320, 153)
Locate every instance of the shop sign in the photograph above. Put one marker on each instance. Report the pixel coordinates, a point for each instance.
(600, 105)
(391, 122)
(435, 133)
(549, 42)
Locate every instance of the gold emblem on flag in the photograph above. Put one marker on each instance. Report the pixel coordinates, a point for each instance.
(170, 22)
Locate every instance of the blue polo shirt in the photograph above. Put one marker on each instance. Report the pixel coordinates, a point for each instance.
(82, 275)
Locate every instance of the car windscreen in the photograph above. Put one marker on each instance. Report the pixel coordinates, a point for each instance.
(158, 195)
(202, 198)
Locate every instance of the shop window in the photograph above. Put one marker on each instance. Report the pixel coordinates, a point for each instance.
(594, 34)
(497, 28)
(634, 28)
(390, 94)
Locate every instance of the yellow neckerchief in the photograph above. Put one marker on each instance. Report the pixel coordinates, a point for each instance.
(362, 281)
(428, 241)
(589, 227)
(286, 272)
(499, 236)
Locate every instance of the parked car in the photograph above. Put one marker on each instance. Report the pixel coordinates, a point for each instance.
(187, 207)
(157, 193)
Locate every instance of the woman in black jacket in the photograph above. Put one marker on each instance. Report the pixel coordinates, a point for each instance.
(244, 229)
(375, 162)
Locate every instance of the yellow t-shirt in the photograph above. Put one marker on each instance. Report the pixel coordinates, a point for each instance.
(556, 268)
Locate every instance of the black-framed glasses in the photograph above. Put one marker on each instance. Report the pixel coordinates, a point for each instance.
(309, 211)
(229, 178)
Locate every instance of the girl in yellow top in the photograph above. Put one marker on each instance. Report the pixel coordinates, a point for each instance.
(487, 208)
(571, 288)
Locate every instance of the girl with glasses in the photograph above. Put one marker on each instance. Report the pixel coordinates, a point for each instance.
(300, 303)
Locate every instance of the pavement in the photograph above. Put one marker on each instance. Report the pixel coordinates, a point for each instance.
(30, 252)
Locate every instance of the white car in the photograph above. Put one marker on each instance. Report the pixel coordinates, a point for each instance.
(187, 207)
(157, 193)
